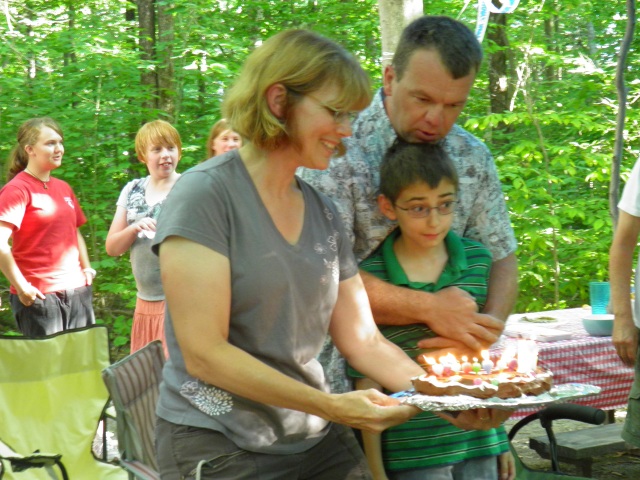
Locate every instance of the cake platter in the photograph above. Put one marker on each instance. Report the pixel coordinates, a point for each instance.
(557, 394)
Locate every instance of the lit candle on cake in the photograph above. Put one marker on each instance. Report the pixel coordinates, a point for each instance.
(436, 368)
(487, 364)
(446, 366)
(455, 365)
(527, 356)
(451, 363)
(476, 367)
(466, 366)
(507, 360)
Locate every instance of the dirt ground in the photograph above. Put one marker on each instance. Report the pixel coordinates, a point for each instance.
(618, 466)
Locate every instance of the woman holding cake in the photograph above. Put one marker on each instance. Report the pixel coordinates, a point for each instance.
(257, 270)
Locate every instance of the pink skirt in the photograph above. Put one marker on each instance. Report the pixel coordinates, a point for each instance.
(148, 324)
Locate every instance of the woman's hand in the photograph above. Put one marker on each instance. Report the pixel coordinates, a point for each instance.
(28, 296)
(369, 410)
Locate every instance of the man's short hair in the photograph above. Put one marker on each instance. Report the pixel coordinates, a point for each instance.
(458, 47)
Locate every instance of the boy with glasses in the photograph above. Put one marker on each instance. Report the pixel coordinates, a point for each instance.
(418, 190)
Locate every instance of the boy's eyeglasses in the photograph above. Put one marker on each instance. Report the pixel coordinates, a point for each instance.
(338, 115)
(420, 211)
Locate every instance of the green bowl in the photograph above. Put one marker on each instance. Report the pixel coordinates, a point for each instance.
(598, 325)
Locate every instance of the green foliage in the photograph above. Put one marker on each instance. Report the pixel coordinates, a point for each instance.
(554, 148)
(80, 64)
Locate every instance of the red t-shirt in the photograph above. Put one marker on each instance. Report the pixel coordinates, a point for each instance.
(45, 242)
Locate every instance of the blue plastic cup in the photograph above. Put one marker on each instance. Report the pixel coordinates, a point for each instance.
(599, 293)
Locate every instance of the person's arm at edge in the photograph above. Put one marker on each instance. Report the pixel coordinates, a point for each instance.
(625, 238)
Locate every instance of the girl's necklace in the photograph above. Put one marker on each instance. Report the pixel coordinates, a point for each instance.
(44, 183)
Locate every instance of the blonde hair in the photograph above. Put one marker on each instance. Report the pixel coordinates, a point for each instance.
(28, 134)
(156, 132)
(220, 126)
(303, 62)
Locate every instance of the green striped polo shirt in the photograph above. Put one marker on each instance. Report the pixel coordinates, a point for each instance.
(426, 440)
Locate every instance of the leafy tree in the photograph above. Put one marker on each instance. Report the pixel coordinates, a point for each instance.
(551, 130)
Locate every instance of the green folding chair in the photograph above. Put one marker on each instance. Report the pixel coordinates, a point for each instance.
(51, 400)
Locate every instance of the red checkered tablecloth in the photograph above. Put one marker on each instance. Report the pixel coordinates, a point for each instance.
(581, 359)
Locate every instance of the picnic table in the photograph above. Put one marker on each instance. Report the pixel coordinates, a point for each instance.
(580, 358)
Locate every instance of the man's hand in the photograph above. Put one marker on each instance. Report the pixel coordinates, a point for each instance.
(455, 316)
(477, 419)
(451, 312)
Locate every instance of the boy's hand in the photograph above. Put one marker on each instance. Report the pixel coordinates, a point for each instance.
(506, 466)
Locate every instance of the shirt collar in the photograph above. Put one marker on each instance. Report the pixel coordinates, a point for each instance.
(456, 263)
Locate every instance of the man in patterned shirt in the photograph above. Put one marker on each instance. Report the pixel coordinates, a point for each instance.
(424, 91)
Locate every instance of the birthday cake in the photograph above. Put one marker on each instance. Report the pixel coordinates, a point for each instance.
(486, 380)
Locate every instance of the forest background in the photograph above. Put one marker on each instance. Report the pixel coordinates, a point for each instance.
(545, 103)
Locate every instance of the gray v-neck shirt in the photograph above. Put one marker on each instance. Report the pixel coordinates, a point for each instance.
(282, 300)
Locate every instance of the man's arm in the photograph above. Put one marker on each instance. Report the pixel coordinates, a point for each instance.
(452, 313)
(503, 288)
(625, 333)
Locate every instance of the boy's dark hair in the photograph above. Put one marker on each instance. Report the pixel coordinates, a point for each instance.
(459, 49)
(407, 163)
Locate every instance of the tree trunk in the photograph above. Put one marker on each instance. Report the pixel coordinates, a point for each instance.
(498, 64)
(549, 33)
(621, 87)
(70, 54)
(148, 78)
(164, 51)
(394, 15)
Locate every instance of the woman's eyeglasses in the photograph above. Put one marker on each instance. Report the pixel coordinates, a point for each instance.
(338, 115)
